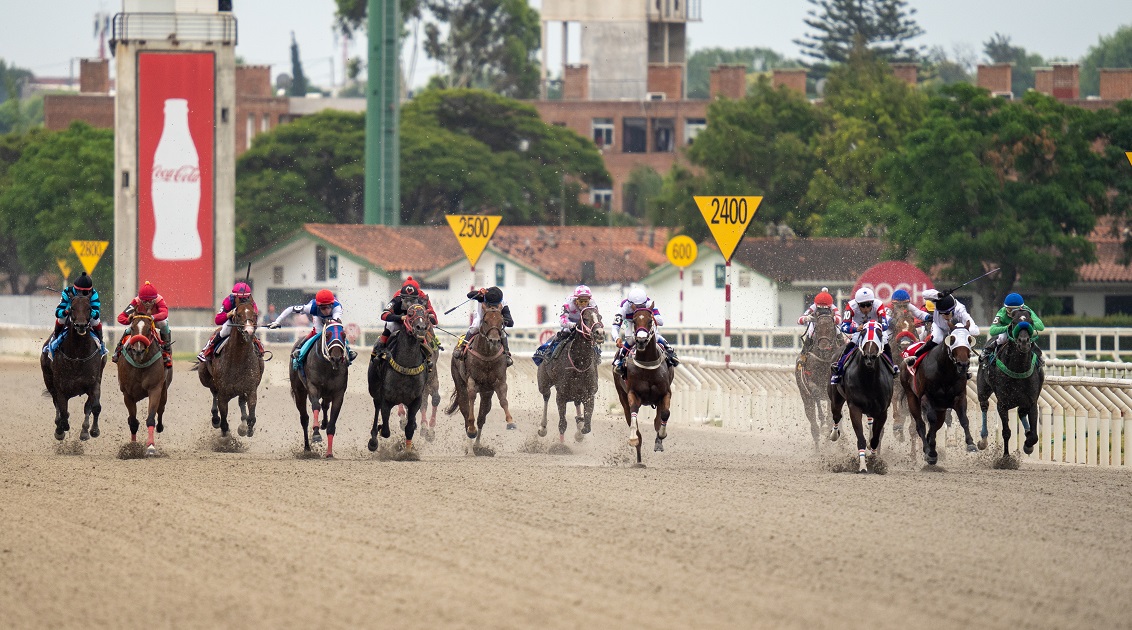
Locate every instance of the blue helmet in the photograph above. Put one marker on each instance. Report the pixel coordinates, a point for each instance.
(1013, 300)
(901, 296)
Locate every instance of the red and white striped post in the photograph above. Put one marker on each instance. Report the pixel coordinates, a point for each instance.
(471, 313)
(727, 316)
(681, 295)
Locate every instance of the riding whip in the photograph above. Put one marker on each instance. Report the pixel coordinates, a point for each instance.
(456, 307)
(450, 333)
(950, 291)
(248, 275)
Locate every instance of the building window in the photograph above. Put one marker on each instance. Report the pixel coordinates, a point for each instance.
(720, 276)
(441, 285)
(1118, 305)
(332, 266)
(635, 134)
(319, 263)
(520, 277)
(697, 277)
(265, 123)
(1066, 304)
(363, 276)
(250, 131)
(744, 279)
(277, 274)
(601, 198)
(603, 132)
(481, 278)
(663, 135)
(500, 274)
(692, 128)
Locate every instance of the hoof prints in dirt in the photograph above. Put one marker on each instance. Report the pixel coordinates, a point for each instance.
(397, 453)
(137, 450)
(302, 454)
(559, 449)
(483, 451)
(620, 459)
(230, 444)
(1009, 462)
(851, 464)
(69, 447)
(535, 446)
(933, 468)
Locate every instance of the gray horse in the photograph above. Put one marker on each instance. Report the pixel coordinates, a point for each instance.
(572, 372)
(322, 381)
(75, 369)
(811, 371)
(234, 372)
(399, 375)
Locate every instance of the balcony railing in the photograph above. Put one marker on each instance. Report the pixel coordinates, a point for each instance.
(673, 10)
(213, 28)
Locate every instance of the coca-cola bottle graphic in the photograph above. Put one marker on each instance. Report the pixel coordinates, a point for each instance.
(176, 187)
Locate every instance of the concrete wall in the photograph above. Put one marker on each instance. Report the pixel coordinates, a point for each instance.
(617, 54)
(31, 310)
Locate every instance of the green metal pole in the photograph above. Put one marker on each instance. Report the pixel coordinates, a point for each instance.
(383, 172)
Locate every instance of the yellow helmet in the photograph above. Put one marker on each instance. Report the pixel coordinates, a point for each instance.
(929, 306)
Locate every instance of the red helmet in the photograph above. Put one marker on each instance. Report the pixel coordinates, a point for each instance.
(824, 299)
(410, 287)
(324, 296)
(241, 289)
(148, 292)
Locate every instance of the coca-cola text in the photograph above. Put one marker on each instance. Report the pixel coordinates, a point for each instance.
(186, 173)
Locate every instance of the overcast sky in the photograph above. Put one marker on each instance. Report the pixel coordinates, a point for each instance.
(46, 35)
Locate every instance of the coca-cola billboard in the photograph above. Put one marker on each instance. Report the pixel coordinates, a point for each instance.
(887, 278)
(176, 117)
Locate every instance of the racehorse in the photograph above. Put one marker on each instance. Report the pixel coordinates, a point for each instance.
(939, 383)
(432, 394)
(75, 369)
(902, 332)
(142, 375)
(572, 372)
(399, 376)
(867, 387)
(1016, 379)
(811, 371)
(235, 371)
(321, 379)
(648, 381)
(483, 371)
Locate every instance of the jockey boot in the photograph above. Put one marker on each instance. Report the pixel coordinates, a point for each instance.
(209, 347)
(167, 354)
(924, 349)
(379, 347)
(351, 354)
(118, 350)
(888, 353)
(54, 335)
(101, 343)
(989, 351)
(619, 361)
(597, 355)
(507, 351)
(671, 356)
(837, 370)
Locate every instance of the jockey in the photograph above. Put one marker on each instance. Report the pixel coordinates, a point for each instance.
(949, 314)
(863, 308)
(83, 286)
(324, 308)
(240, 293)
(488, 297)
(148, 302)
(571, 314)
(823, 303)
(1000, 326)
(409, 294)
(900, 298)
(635, 301)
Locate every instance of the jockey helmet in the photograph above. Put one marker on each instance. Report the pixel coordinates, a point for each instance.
(1013, 300)
(324, 297)
(637, 295)
(864, 294)
(242, 290)
(84, 283)
(582, 290)
(824, 299)
(493, 296)
(945, 304)
(901, 296)
(410, 287)
(148, 292)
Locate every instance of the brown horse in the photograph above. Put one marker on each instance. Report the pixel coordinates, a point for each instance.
(572, 372)
(940, 383)
(142, 376)
(811, 371)
(483, 371)
(902, 333)
(235, 370)
(648, 381)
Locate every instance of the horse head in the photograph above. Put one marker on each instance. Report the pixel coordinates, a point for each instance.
(80, 314)
(416, 321)
(825, 338)
(590, 326)
(244, 319)
(869, 343)
(334, 344)
(959, 348)
(644, 327)
(140, 336)
(491, 327)
(1021, 328)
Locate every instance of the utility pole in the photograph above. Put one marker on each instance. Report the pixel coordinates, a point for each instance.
(383, 114)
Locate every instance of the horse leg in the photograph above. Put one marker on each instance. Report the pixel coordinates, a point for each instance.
(1004, 415)
(467, 409)
(983, 388)
(634, 427)
(251, 399)
(163, 397)
(545, 412)
(411, 428)
(878, 431)
(935, 422)
(313, 398)
(151, 419)
(333, 408)
(481, 417)
(660, 422)
(964, 421)
(94, 404)
(501, 392)
(579, 421)
(587, 421)
(560, 400)
(215, 408)
(859, 429)
(132, 417)
(1028, 415)
(836, 402)
(372, 444)
(222, 405)
(304, 420)
(62, 415)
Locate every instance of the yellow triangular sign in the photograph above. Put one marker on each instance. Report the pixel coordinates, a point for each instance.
(473, 231)
(89, 252)
(65, 268)
(1129, 156)
(728, 218)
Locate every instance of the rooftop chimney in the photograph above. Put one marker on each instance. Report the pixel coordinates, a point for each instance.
(793, 78)
(94, 76)
(576, 83)
(1116, 84)
(666, 79)
(728, 81)
(996, 77)
(1043, 81)
(1066, 80)
(907, 72)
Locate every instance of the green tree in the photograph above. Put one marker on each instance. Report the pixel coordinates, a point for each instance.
(702, 61)
(942, 68)
(351, 14)
(59, 189)
(675, 206)
(644, 185)
(299, 82)
(840, 26)
(1112, 51)
(999, 50)
(1112, 127)
(990, 183)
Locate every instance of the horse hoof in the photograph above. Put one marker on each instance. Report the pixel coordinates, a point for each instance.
(579, 435)
(1028, 449)
(663, 432)
(317, 437)
(971, 448)
(983, 444)
(150, 450)
(372, 444)
(542, 432)
(634, 441)
(216, 423)
(835, 434)
(251, 430)
(59, 435)
(511, 426)
(471, 433)
(658, 447)
(242, 429)
(84, 436)
(384, 431)
(95, 433)
(330, 456)
(430, 435)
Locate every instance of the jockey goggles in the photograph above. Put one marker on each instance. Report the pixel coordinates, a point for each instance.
(865, 304)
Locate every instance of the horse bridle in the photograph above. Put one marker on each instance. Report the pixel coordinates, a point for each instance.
(328, 343)
(651, 329)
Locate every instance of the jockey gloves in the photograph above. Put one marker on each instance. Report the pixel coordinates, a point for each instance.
(324, 296)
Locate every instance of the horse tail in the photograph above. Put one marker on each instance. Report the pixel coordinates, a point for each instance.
(453, 403)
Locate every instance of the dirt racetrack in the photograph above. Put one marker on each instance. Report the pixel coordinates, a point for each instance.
(724, 529)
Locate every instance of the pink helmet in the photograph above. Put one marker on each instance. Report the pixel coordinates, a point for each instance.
(241, 290)
(583, 290)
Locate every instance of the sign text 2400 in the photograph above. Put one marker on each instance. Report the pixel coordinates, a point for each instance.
(474, 227)
(729, 210)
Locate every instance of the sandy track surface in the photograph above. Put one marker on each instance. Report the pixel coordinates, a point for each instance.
(724, 529)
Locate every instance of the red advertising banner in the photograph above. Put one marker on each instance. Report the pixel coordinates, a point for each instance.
(176, 117)
(889, 277)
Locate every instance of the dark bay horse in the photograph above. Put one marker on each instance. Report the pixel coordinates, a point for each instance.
(939, 384)
(235, 371)
(648, 381)
(482, 371)
(902, 333)
(811, 371)
(867, 387)
(75, 369)
(1016, 378)
(321, 381)
(401, 375)
(142, 376)
(572, 372)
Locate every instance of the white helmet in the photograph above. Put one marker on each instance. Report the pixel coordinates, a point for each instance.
(864, 294)
(637, 295)
(582, 290)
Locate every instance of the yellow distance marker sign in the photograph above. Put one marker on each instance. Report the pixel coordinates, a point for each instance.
(89, 252)
(681, 251)
(65, 267)
(728, 218)
(1129, 156)
(473, 231)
